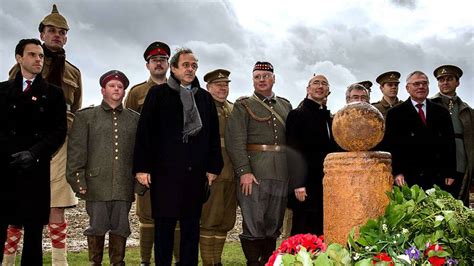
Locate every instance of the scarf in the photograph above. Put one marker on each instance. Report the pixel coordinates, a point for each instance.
(58, 61)
(192, 123)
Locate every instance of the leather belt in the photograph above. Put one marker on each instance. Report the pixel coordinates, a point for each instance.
(458, 136)
(264, 147)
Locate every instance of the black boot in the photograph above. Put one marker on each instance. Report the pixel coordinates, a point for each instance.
(96, 249)
(252, 250)
(268, 247)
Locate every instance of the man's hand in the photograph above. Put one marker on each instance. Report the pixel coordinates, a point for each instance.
(246, 182)
(22, 159)
(448, 181)
(82, 191)
(211, 177)
(144, 179)
(300, 193)
(400, 180)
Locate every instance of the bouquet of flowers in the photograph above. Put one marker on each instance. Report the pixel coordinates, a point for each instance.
(302, 248)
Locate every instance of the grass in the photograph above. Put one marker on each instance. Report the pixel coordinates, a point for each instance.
(232, 255)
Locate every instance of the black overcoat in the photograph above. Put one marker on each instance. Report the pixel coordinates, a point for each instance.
(178, 170)
(425, 155)
(308, 132)
(33, 121)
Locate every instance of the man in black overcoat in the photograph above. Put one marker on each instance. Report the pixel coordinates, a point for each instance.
(308, 132)
(420, 137)
(33, 127)
(178, 155)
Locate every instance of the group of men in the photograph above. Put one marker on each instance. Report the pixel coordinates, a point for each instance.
(191, 156)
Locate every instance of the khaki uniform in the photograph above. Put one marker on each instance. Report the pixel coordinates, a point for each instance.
(383, 106)
(464, 133)
(250, 126)
(61, 192)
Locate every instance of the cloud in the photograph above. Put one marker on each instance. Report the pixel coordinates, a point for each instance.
(405, 3)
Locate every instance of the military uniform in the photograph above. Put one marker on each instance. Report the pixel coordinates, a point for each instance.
(383, 105)
(136, 95)
(254, 140)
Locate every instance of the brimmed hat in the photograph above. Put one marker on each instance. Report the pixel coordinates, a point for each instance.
(391, 76)
(217, 75)
(446, 70)
(157, 48)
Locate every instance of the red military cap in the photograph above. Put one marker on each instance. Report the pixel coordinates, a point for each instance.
(114, 75)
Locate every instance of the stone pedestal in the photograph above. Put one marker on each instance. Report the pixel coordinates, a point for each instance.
(354, 191)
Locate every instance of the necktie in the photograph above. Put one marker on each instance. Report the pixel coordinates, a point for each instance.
(421, 113)
(28, 86)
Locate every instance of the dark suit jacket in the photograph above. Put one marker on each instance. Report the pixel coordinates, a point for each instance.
(425, 155)
(33, 121)
(178, 170)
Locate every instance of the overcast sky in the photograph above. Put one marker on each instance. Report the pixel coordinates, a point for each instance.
(347, 41)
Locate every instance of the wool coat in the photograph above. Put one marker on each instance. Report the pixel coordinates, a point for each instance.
(32, 121)
(178, 169)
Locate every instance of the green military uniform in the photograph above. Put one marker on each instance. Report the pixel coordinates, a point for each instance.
(383, 105)
(219, 212)
(254, 140)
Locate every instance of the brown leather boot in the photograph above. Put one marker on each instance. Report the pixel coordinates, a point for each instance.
(117, 249)
(96, 249)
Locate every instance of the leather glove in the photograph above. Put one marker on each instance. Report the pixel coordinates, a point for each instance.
(22, 159)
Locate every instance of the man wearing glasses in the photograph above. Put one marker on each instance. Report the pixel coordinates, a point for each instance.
(419, 135)
(389, 87)
(462, 117)
(255, 139)
(357, 93)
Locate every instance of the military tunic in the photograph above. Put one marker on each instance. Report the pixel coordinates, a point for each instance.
(61, 193)
(383, 105)
(219, 211)
(252, 123)
(462, 116)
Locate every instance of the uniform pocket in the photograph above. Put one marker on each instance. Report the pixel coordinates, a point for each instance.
(93, 172)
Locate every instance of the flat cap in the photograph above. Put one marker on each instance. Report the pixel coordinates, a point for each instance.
(114, 75)
(265, 66)
(391, 76)
(157, 48)
(217, 75)
(54, 19)
(447, 70)
(367, 84)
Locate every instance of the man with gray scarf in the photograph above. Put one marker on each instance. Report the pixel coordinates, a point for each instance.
(178, 155)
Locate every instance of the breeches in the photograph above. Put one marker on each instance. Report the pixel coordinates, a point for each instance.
(108, 216)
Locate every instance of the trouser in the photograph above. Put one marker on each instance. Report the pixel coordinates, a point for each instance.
(32, 254)
(164, 240)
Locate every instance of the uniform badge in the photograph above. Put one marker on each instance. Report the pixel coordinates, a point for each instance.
(34, 98)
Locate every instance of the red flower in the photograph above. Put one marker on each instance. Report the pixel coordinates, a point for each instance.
(435, 260)
(382, 257)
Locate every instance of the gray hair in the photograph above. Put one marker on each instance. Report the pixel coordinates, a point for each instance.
(358, 87)
(416, 72)
(175, 59)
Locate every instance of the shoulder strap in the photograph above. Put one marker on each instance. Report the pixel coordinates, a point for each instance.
(278, 117)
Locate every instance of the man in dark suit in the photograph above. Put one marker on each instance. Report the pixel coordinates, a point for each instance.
(33, 127)
(177, 146)
(420, 136)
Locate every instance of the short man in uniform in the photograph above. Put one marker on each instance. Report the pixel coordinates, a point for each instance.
(462, 117)
(419, 134)
(156, 56)
(309, 133)
(58, 71)
(357, 93)
(389, 87)
(177, 146)
(219, 212)
(34, 126)
(255, 135)
(99, 167)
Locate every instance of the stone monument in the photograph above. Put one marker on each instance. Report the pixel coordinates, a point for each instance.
(355, 182)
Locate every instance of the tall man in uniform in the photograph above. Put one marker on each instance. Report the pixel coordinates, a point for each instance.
(255, 135)
(419, 134)
(389, 87)
(462, 117)
(58, 71)
(219, 212)
(156, 56)
(33, 119)
(177, 146)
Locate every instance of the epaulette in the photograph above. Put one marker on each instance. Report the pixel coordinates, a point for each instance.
(133, 111)
(229, 102)
(86, 108)
(136, 85)
(283, 99)
(242, 98)
(73, 66)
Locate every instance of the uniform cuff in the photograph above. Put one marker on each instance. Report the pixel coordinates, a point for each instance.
(243, 170)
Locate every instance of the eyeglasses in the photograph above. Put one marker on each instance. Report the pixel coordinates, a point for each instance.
(320, 83)
(419, 83)
(187, 65)
(156, 60)
(264, 76)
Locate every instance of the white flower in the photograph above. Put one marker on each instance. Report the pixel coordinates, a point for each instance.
(404, 231)
(405, 258)
(398, 235)
(430, 191)
(278, 260)
(356, 256)
(384, 227)
(439, 218)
